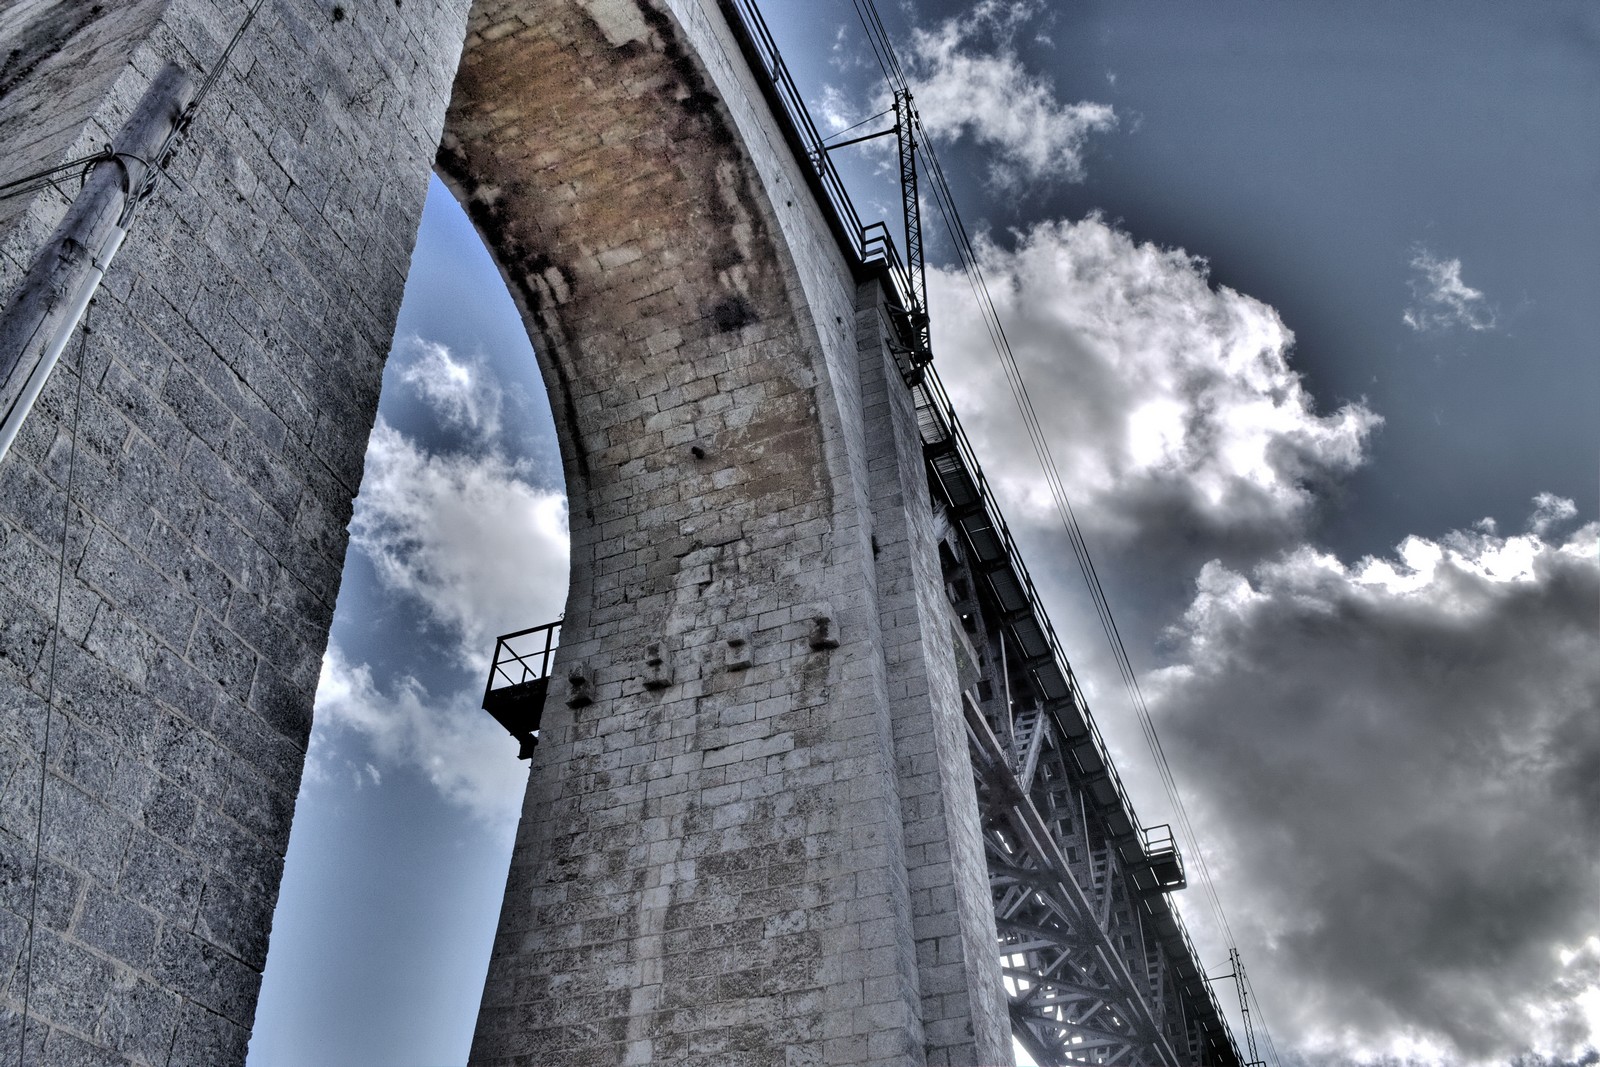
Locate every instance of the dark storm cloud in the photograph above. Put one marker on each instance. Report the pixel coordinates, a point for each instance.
(1398, 763)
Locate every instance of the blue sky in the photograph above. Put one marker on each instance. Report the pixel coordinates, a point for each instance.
(1308, 291)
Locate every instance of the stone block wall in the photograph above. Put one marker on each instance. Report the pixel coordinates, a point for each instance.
(228, 387)
(65, 87)
(963, 1001)
(730, 851)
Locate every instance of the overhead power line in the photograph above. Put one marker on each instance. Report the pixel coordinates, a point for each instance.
(883, 51)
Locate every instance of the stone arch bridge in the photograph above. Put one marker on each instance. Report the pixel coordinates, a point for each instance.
(816, 786)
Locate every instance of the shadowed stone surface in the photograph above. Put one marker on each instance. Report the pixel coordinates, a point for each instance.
(228, 388)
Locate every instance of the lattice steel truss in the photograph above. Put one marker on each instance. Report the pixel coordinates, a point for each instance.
(1097, 963)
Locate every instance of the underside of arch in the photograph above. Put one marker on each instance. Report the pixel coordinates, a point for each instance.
(713, 856)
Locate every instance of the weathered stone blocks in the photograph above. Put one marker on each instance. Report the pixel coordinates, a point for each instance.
(229, 382)
(750, 835)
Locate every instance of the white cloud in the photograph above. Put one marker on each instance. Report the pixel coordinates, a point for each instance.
(838, 111)
(463, 392)
(1549, 512)
(461, 750)
(483, 550)
(968, 79)
(1399, 760)
(1441, 299)
(1173, 412)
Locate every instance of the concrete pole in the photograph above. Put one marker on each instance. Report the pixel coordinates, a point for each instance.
(46, 306)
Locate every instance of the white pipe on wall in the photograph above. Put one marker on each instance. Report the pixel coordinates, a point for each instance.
(45, 308)
(52, 353)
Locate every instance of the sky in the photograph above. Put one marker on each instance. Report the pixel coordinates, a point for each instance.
(1307, 294)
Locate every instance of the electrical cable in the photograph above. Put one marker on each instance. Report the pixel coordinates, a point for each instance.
(134, 197)
(1272, 1049)
(1070, 523)
(966, 253)
(36, 180)
(32, 183)
(857, 126)
(180, 128)
(50, 694)
(222, 62)
(872, 40)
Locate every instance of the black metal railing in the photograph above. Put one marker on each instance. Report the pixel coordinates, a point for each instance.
(523, 656)
(1068, 710)
(519, 680)
(872, 243)
(1161, 860)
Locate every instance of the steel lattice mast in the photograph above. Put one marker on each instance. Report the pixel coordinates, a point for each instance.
(917, 325)
(1098, 965)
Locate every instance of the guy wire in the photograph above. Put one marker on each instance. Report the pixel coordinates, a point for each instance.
(50, 691)
(135, 197)
(894, 73)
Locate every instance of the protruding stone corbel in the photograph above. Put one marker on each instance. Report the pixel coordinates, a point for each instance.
(822, 634)
(736, 652)
(580, 687)
(657, 671)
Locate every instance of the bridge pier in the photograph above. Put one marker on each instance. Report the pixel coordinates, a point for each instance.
(749, 834)
(717, 863)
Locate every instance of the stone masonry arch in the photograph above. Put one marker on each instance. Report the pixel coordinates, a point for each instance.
(750, 834)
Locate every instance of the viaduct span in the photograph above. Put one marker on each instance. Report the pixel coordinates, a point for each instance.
(815, 786)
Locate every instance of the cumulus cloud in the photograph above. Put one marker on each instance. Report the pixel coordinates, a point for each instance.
(968, 80)
(480, 547)
(1175, 417)
(1550, 512)
(1440, 299)
(474, 548)
(464, 754)
(462, 391)
(1398, 762)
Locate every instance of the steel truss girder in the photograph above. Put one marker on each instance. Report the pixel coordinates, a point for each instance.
(1075, 996)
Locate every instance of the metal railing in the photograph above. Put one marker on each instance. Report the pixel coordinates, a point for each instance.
(872, 243)
(937, 421)
(936, 417)
(523, 656)
(874, 248)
